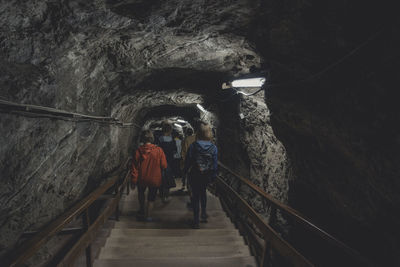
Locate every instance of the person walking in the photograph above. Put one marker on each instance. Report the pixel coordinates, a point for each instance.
(201, 165)
(189, 139)
(177, 155)
(147, 166)
(168, 145)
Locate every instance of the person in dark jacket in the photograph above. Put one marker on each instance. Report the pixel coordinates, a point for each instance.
(201, 165)
(147, 166)
(167, 143)
(189, 139)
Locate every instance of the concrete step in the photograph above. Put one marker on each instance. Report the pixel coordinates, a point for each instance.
(137, 233)
(173, 204)
(180, 262)
(234, 237)
(177, 217)
(180, 212)
(171, 241)
(162, 224)
(174, 251)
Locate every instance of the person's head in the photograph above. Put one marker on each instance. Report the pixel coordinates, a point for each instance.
(147, 137)
(204, 132)
(166, 128)
(189, 131)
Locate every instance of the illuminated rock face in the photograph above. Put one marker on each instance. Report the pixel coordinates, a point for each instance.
(335, 154)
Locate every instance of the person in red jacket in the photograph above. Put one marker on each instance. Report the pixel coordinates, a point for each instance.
(148, 163)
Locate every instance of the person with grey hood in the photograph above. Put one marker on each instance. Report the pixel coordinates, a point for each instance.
(201, 165)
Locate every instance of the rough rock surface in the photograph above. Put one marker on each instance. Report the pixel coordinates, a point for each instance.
(107, 58)
(126, 58)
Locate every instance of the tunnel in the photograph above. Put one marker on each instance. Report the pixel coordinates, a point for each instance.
(308, 160)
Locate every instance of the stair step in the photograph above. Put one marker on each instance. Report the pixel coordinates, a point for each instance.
(172, 241)
(136, 233)
(174, 251)
(172, 225)
(179, 262)
(179, 213)
(169, 240)
(174, 218)
(178, 239)
(172, 205)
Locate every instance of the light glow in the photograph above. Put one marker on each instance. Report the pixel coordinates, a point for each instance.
(201, 107)
(177, 125)
(252, 82)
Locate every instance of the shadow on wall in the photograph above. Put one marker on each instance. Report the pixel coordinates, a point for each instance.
(339, 129)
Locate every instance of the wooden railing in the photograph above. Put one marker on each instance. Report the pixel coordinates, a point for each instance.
(23, 253)
(231, 200)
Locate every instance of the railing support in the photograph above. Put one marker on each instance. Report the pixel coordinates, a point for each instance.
(86, 225)
(128, 184)
(117, 207)
(293, 214)
(266, 257)
(273, 217)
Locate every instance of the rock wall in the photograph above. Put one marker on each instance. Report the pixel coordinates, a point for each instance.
(338, 126)
(102, 58)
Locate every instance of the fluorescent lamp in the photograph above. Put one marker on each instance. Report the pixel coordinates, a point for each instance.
(181, 121)
(177, 125)
(252, 82)
(201, 107)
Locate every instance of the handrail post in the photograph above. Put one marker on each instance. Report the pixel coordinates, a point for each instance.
(273, 216)
(266, 257)
(86, 224)
(128, 184)
(117, 207)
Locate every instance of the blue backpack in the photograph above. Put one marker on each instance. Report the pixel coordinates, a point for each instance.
(204, 162)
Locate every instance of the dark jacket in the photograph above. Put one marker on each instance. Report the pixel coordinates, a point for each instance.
(167, 143)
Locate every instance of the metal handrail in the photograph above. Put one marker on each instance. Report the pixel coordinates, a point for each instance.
(271, 237)
(54, 113)
(32, 245)
(298, 217)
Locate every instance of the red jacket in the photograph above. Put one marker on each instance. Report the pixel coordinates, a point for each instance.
(147, 165)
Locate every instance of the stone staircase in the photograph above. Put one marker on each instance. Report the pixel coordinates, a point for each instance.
(169, 239)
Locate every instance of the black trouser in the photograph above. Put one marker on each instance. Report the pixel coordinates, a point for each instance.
(151, 195)
(176, 168)
(199, 196)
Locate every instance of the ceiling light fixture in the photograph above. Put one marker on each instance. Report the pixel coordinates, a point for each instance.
(252, 82)
(200, 107)
(177, 125)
